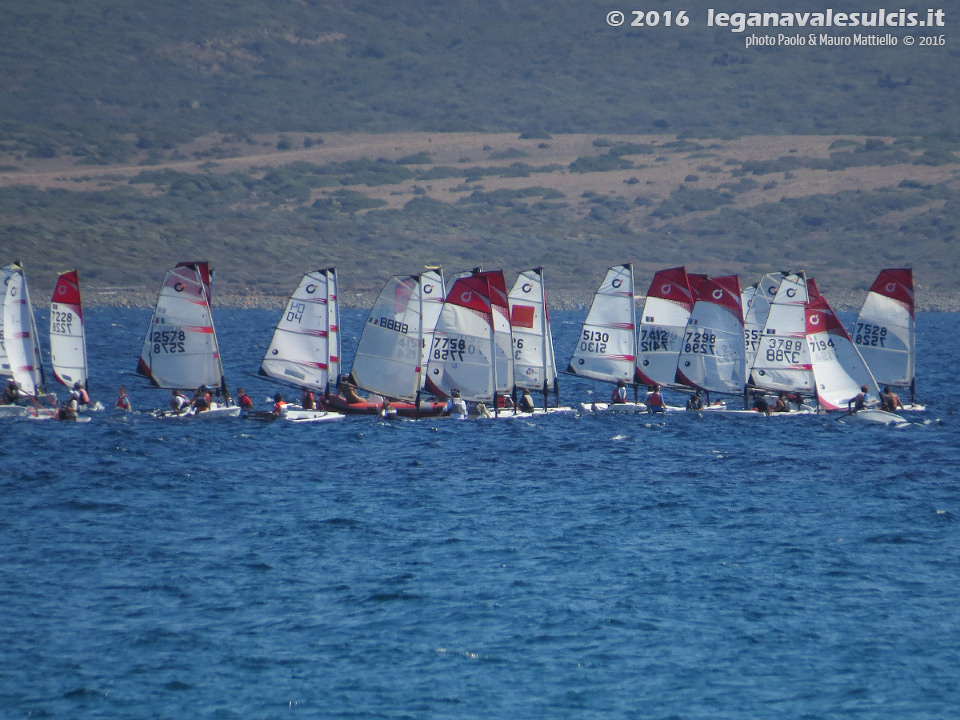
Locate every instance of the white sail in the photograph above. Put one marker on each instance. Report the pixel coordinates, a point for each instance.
(838, 367)
(782, 361)
(535, 366)
(20, 335)
(389, 355)
(471, 349)
(432, 293)
(300, 351)
(663, 322)
(757, 300)
(68, 347)
(180, 349)
(885, 331)
(6, 272)
(333, 324)
(712, 356)
(606, 349)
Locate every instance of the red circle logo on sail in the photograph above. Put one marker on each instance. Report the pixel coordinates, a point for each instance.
(890, 287)
(718, 294)
(666, 289)
(466, 297)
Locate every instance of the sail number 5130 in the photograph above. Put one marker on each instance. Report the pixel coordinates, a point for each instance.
(594, 341)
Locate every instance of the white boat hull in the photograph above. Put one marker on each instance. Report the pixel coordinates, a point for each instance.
(310, 416)
(881, 417)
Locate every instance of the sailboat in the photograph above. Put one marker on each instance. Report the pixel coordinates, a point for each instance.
(885, 331)
(535, 365)
(782, 361)
(472, 343)
(663, 321)
(713, 354)
(839, 368)
(23, 360)
(607, 347)
(392, 352)
(68, 347)
(305, 349)
(180, 349)
(756, 301)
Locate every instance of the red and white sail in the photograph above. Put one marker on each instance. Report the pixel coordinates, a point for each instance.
(20, 334)
(68, 346)
(303, 351)
(607, 347)
(180, 349)
(535, 366)
(712, 356)
(782, 361)
(885, 331)
(663, 320)
(838, 367)
(472, 347)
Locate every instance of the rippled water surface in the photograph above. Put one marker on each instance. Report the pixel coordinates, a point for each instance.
(571, 567)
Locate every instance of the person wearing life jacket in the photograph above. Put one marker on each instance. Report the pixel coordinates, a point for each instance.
(696, 401)
(654, 400)
(526, 402)
(244, 400)
(11, 393)
(858, 401)
(456, 406)
(760, 404)
(619, 392)
(178, 403)
(279, 405)
(83, 397)
(387, 411)
(781, 404)
(123, 400)
(68, 411)
(307, 400)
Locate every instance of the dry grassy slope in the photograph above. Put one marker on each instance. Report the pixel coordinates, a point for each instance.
(658, 176)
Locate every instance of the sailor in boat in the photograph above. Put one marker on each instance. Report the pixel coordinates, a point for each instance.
(889, 400)
(68, 411)
(780, 404)
(619, 392)
(307, 400)
(123, 400)
(202, 400)
(482, 411)
(278, 405)
(654, 400)
(178, 403)
(696, 401)
(11, 393)
(859, 401)
(526, 402)
(245, 402)
(760, 404)
(456, 406)
(83, 397)
(349, 391)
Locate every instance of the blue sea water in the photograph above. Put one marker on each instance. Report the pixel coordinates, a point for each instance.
(564, 567)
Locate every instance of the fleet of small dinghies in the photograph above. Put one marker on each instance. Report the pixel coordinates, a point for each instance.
(427, 351)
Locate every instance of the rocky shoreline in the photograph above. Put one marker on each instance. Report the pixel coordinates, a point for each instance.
(848, 301)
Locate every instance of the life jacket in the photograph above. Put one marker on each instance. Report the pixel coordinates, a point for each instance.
(654, 399)
(123, 402)
(245, 402)
(619, 395)
(83, 397)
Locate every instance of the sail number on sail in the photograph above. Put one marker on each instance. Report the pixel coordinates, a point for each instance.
(451, 348)
(654, 339)
(700, 342)
(752, 339)
(168, 341)
(822, 349)
(781, 350)
(870, 335)
(61, 322)
(395, 325)
(295, 312)
(594, 341)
